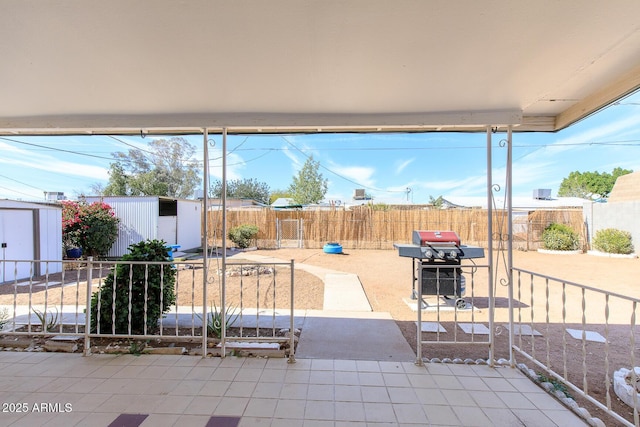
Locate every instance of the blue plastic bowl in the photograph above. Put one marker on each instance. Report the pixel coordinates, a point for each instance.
(332, 248)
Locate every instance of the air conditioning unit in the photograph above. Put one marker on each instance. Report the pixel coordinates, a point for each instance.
(52, 196)
(542, 194)
(359, 194)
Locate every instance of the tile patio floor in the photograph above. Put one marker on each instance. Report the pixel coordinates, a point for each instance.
(185, 391)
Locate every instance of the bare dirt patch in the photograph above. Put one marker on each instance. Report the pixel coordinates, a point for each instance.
(387, 281)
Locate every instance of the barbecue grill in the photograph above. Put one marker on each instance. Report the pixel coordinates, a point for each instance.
(437, 256)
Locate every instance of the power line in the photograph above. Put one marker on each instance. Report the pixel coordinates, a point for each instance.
(55, 149)
(341, 176)
(20, 182)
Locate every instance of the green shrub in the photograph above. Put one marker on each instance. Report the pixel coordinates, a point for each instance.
(613, 241)
(242, 235)
(154, 275)
(559, 237)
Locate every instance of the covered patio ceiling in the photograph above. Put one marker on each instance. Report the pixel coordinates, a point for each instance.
(167, 66)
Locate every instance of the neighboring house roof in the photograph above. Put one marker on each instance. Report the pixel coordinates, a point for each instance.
(626, 188)
(236, 203)
(518, 202)
(285, 202)
(17, 204)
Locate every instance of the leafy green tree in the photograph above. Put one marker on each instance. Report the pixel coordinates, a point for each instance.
(243, 189)
(437, 203)
(166, 169)
(590, 185)
(309, 186)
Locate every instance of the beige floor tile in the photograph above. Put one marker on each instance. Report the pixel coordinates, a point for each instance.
(322, 365)
(248, 374)
(160, 420)
(321, 392)
(240, 389)
(321, 377)
(346, 378)
(232, 406)
(396, 380)
(379, 413)
(287, 422)
(267, 390)
(429, 396)
(392, 367)
(294, 391)
(290, 409)
(116, 403)
(319, 410)
(471, 416)
(373, 394)
(441, 415)
(187, 388)
(459, 398)
(367, 366)
(261, 408)
(225, 373)
(448, 382)
(515, 400)
(345, 365)
(499, 384)
(172, 404)
(402, 395)
(349, 411)
(215, 388)
(486, 399)
(202, 373)
(411, 413)
(273, 375)
(371, 378)
(192, 420)
(347, 393)
(203, 405)
(297, 376)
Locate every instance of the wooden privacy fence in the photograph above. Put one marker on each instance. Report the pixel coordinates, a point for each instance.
(366, 228)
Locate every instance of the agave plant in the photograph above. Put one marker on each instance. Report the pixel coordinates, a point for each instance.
(214, 319)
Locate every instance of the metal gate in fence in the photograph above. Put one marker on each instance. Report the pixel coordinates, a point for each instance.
(289, 233)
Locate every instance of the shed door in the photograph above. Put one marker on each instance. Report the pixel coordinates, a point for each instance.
(16, 233)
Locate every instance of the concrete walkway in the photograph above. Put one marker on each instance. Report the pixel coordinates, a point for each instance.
(346, 327)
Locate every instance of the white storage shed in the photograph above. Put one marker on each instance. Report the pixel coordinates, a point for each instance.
(176, 221)
(29, 231)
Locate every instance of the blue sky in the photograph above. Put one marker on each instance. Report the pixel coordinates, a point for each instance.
(385, 165)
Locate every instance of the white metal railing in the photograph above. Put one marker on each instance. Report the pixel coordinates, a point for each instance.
(56, 302)
(575, 333)
(445, 312)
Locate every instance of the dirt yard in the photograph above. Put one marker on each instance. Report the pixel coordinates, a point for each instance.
(386, 279)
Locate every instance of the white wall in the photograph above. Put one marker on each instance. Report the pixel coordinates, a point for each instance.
(189, 224)
(619, 215)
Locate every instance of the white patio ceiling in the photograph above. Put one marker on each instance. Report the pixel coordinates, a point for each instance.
(122, 66)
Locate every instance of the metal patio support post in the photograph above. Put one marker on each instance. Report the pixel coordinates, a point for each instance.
(509, 195)
(223, 291)
(87, 311)
(490, 248)
(205, 244)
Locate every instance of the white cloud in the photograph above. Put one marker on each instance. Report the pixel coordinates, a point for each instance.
(400, 166)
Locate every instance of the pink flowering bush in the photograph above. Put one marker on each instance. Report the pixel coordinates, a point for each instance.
(91, 227)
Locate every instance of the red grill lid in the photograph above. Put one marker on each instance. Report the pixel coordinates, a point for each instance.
(424, 238)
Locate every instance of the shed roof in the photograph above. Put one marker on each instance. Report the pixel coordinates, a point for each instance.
(163, 66)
